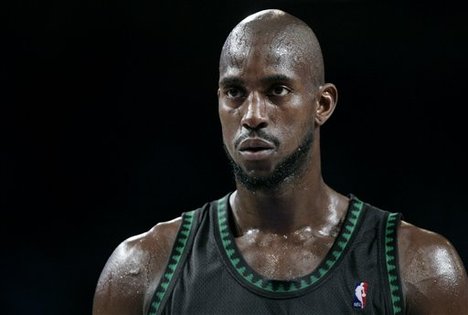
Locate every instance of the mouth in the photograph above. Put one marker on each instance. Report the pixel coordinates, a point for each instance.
(256, 148)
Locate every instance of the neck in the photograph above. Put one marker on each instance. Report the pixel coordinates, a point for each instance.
(310, 204)
(301, 202)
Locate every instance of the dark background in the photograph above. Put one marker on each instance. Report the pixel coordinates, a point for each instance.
(109, 125)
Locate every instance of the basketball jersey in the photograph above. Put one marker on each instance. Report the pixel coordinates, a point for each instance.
(206, 273)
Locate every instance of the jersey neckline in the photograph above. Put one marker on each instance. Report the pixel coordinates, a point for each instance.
(249, 278)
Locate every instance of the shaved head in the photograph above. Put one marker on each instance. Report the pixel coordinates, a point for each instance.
(271, 90)
(283, 34)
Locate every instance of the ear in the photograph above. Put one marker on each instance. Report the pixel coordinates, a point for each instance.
(326, 99)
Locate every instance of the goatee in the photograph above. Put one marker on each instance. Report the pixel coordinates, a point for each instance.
(289, 168)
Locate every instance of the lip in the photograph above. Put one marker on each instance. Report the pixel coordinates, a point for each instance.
(255, 148)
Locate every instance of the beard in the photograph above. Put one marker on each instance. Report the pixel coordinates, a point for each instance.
(290, 167)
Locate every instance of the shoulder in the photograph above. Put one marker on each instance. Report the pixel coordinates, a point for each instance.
(133, 270)
(433, 275)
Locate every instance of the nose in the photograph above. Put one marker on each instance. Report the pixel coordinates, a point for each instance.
(255, 116)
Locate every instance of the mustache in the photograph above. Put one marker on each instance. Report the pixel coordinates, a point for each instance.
(260, 134)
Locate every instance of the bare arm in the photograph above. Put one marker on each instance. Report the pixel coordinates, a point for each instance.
(132, 272)
(434, 278)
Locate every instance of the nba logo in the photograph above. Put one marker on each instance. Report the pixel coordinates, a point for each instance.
(360, 294)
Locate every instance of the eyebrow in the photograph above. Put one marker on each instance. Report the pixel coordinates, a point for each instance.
(276, 78)
(236, 81)
(231, 81)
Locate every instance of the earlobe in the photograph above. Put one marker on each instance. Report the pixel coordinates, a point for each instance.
(327, 99)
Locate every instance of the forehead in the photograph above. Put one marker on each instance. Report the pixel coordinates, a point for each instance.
(264, 52)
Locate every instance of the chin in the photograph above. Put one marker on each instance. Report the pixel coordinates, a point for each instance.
(257, 169)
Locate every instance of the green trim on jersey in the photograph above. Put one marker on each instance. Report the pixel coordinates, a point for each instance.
(340, 245)
(391, 262)
(177, 251)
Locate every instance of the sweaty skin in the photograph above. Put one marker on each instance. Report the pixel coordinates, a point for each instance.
(272, 102)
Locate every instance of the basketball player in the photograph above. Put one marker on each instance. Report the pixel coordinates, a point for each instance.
(283, 242)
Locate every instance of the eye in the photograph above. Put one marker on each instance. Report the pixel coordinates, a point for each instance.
(234, 92)
(279, 90)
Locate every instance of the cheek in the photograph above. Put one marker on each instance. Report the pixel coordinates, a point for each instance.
(295, 124)
(304, 112)
(230, 120)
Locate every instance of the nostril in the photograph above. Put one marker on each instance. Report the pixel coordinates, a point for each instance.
(254, 125)
(254, 120)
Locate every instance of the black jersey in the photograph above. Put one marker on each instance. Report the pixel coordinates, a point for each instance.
(206, 274)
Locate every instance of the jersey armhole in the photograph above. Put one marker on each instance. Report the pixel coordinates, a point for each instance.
(391, 264)
(179, 253)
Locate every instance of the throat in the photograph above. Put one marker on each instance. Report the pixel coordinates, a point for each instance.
(278, 257)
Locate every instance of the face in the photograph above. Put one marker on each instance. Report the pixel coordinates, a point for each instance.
(267, 100)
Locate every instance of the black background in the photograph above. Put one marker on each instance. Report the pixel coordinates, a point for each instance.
(109, 125)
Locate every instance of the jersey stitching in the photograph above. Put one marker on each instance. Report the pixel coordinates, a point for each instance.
(390, 259)
(176, 254)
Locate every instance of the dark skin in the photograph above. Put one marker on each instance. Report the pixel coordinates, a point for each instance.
(285, 230)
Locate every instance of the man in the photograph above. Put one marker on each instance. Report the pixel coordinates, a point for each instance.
(283, 242)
